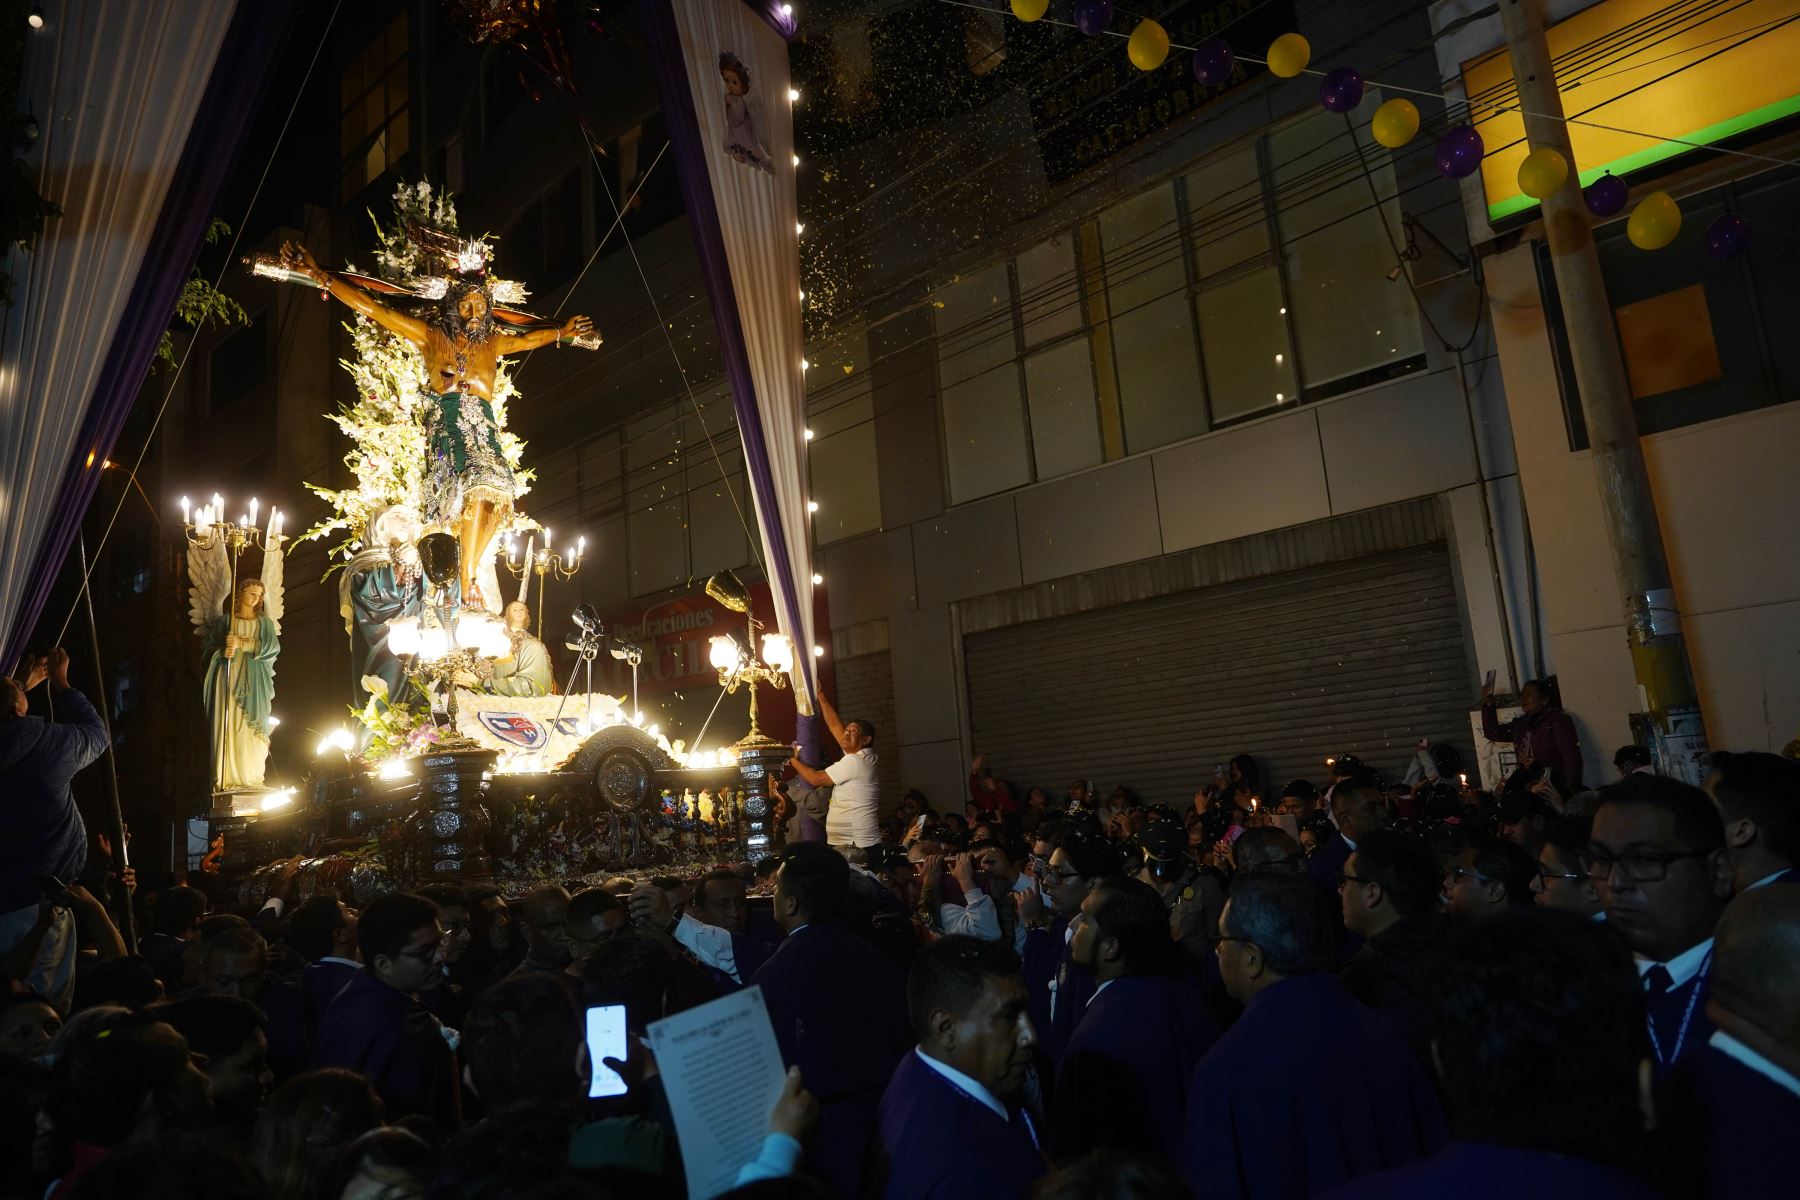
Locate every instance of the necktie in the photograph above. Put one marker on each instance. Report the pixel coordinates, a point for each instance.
(1658, 981)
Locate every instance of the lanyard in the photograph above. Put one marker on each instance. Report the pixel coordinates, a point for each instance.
(1686, 1016)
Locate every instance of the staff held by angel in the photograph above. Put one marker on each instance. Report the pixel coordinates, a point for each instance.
(469, 488)
(239, 623)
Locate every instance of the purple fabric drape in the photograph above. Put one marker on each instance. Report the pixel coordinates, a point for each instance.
(257, 34)
(690, 163)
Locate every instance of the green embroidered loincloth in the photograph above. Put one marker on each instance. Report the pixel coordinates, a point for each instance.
(464, 463)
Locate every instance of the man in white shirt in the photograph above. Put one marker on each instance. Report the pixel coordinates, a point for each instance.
(853, 818)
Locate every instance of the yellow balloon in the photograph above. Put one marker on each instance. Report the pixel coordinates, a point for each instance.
(1149, 45)
(1395, 123)
(1654, 222)
(1543, 171)
(1030, 10)
(1288, 55)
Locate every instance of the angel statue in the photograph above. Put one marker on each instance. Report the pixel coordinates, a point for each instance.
(469, 488)
(240, 647)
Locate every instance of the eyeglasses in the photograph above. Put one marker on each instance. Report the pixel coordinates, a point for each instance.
(1468, 873)
(1223, 938)
(1345, 877)
(1547, 876)
(1639, 868)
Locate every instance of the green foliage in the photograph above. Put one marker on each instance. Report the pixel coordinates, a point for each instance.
(201, 304)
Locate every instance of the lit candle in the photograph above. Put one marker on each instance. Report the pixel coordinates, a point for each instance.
(512, 550)
(254, 505)
(546, 540)
(218, 505)
(186, 516)
(203, 525)
(277, 521)
(1464, 778)
(580, 548)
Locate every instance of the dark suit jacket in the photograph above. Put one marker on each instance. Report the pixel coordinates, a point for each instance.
(1122, 1083)
(389, 1037)
(1393, 971)
(1725, 1130)
(838, 1006)
(937, 1142)
(1308, 1090)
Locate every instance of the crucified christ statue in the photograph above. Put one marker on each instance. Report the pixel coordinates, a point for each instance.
(469, 487)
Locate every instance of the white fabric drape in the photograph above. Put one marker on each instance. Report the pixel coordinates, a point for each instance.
(757, 211)
(114, 85)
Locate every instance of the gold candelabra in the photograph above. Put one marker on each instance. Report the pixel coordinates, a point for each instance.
(542, 562)
(736, 661)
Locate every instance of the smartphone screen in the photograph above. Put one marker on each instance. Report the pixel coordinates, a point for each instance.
(606, 1039)
(1490, 677)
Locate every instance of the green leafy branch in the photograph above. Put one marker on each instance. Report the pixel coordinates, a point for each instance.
(201, 304)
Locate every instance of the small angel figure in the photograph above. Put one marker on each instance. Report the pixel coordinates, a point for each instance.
(241, 646)
(745, 136)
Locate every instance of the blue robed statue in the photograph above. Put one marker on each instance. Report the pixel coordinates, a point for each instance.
(239, 622)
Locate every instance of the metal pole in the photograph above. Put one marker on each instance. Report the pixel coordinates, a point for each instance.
(115, 819)
(1653, 621)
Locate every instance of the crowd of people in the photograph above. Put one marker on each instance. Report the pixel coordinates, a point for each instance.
(1348, 987)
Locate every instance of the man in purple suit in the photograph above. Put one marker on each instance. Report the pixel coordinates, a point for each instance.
(838, 1006)
(1657, 854)
(1733, 1108)
(1309, 1089)
(951, 1122)
(1758, 795)
(1122, 1082)
(1540, 1053)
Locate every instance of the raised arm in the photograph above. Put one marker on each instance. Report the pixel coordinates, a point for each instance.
(513, 343)
(833, 722)
(301, 259)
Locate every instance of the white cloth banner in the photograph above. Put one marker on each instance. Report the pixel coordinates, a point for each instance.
(115, 86)
(736, 68)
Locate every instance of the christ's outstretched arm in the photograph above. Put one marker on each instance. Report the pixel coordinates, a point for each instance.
(301, 259)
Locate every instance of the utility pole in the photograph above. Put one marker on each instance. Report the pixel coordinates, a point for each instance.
(1659, 653)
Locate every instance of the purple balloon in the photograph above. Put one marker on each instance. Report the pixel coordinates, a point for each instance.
(1342, 90)
(1093, 16)
(1728, 237)
(1606, 195)
(1459, 152)
(1214, 62)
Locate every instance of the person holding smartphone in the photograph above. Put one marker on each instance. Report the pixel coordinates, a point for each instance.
(45, 837)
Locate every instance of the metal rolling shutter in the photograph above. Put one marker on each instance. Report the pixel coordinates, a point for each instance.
(1363, 656)
(865, 688)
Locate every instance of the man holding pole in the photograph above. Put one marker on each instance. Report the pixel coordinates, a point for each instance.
(46, 843)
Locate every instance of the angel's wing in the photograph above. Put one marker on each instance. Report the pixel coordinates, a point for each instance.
(209, 579)
(274, 592)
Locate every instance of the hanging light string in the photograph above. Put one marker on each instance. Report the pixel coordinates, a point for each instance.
(1451, 101)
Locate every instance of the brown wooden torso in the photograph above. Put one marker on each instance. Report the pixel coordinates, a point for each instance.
(477, 373)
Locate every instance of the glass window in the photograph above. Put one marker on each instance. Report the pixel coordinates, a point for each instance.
(373, 132)
(1153, 336)
(984, 434)
(1159, 375)
(1354, 325)
(975, 325)
(1065, 426)
(715, 527)
(1244, 341)
(1226, 211)
(657, 548)
(1141, 239)
(1049, 291)
(846, 483)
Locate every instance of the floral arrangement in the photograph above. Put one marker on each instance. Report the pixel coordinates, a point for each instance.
(386, 422)
(393, 728)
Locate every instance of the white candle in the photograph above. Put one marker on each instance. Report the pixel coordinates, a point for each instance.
(186, 516)
(546, 539)
(218, 504)
(254, 505)
(580, 548)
